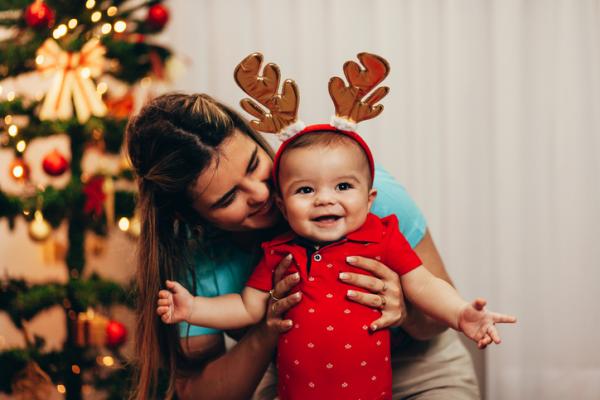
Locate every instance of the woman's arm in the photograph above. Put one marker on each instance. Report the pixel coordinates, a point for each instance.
(236, 373)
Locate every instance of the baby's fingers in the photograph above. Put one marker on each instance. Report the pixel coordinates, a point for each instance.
(482, 344)
(164, 302)
(164, 294)
(493, 334)
(503, 318)
(162, 310)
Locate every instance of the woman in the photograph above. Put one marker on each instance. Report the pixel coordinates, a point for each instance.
(206, 205)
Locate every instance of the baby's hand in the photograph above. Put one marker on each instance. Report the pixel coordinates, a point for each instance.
(478, 324)
(175, 304)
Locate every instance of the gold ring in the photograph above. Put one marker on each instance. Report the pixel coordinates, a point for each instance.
(383, 301)
(272, 295)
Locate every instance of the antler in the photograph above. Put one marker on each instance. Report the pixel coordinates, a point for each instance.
(283, 107)
(348, 99)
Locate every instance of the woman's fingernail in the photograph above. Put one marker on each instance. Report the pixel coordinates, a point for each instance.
(296, 276)
(373, 327)
(289, 322)
(343, 275)
(351, 293)
(288, 257)
(350, 259)
(297, 295)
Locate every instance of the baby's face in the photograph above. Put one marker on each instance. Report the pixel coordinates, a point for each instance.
(325, 190)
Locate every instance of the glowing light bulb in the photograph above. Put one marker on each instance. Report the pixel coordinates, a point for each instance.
(123, 224)
(72, 23)
(106, 28)
(96, 15)
(120, 26)
(112, 11)
(21, 146)
(13, 130)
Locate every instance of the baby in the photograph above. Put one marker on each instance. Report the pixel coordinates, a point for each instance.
(323, 177)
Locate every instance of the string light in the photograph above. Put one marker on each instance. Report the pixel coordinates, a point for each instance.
(61, 389)
(120, 26)
(75, 368)
(123, 224)
(39, 60)
(96, 15)
(89, 4)
(18, 171)
(60, 31)
(112, 11)
(10, 96)
(108, 361)
(106, 28)
(8, 119)
(13, 130)
(21, 146)
(72, 23)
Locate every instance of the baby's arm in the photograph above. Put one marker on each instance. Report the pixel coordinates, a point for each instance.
(230, 311)
(441, 301)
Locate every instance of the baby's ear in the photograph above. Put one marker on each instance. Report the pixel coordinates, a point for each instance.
(281, 205)
(372, 195)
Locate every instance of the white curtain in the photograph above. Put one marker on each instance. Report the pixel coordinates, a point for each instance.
(492, 123)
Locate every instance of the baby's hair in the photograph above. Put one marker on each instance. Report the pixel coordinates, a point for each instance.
(329, 139)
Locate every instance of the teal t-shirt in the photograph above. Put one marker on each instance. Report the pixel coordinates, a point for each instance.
(224, 267)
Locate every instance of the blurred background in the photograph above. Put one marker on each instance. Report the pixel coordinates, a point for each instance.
(492, 124)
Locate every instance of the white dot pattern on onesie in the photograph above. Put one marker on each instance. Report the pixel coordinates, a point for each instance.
(329, 365)
(329, 295)
(348, 346)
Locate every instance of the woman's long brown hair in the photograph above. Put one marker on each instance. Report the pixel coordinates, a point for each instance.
(170, 142)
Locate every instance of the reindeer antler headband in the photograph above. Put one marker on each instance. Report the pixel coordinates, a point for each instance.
(281, 117)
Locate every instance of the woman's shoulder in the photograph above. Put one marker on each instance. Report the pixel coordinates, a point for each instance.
(393, 198)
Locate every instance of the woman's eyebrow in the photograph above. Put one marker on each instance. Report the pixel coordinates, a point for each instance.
(224, 198)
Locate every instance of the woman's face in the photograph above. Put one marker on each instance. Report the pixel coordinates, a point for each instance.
(234, 192)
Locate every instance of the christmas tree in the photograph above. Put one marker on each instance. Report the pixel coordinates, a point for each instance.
(81, 50)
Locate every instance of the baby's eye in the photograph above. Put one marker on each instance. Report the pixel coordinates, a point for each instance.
(343, 186)
(304, 190)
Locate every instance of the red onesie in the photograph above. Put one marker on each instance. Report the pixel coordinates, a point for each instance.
(330, 353)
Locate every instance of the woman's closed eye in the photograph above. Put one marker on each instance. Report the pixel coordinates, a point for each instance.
(343, 186)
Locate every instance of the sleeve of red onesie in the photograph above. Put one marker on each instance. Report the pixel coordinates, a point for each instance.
(262, 276)
(399, 255)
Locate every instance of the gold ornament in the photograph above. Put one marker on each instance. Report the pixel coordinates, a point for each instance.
(73, 73)
(39, 228)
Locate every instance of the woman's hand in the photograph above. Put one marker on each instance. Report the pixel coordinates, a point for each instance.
(280, 303)
(386, 291)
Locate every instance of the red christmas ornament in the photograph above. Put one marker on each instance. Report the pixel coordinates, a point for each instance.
(94, 196)
(39, 15)
(158, 15)
(116, 333)
(55, 164)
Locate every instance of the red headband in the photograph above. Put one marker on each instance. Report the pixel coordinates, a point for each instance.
(321, 128)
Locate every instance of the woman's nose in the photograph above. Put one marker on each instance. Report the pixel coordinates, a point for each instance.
(258, 191)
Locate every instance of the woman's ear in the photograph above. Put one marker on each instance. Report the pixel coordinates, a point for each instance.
(281, 205)
(372, 195)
